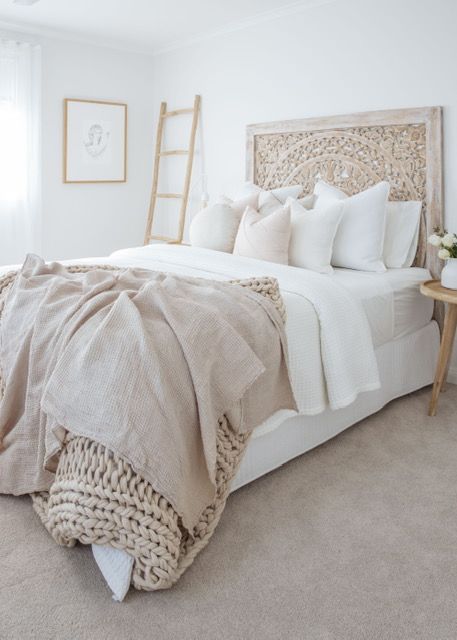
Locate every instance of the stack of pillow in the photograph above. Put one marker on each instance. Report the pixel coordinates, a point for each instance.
(324, 229)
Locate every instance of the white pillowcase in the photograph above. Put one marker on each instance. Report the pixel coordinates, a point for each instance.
(327, 194)
(359, 239)
(312, 235)
(281, 193)
(402, 233)
(216, 226)
(264, 237)
(269, 202)
(309, 201)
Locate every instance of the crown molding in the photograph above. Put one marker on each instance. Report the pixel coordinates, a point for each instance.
(35, 32)
(232, 27)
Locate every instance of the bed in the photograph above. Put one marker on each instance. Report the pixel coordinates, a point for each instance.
(351, 152)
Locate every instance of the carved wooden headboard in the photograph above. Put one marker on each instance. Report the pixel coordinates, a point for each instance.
(354, 152)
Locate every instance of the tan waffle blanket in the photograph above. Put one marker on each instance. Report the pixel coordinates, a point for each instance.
(143, 363)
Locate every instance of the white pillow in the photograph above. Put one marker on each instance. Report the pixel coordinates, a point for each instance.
(216, 226)
(281, 193)
(264, 237)
(359, 239)
(402, 233)
(309, 201)
(312, 234)
(269, 202)
(327, 194)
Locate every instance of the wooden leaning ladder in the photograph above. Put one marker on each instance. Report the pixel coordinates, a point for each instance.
(184, 196)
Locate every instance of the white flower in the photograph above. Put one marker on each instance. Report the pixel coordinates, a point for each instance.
(448, 240)
(444, 254)
(434, 240)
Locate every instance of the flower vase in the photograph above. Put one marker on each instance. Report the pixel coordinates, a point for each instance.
(449, 274)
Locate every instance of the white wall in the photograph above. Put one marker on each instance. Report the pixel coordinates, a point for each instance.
(342, 57)
(95, 219)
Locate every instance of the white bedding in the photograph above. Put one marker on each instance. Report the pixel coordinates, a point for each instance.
(392, 300)
(334, 322)
(324, 321)
(392, 303)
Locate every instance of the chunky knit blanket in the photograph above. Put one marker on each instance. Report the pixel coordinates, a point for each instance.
(97, 498)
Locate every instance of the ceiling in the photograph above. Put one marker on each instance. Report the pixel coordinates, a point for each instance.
(142, 25)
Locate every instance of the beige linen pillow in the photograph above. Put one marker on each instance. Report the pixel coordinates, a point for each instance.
(264, 237)
(216, 226)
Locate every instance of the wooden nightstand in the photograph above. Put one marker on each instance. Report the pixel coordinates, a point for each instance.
(434, 289)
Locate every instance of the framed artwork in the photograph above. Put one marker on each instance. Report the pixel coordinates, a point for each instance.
(95, 141)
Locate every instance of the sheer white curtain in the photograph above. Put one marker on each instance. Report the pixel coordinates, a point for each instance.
(20, 196)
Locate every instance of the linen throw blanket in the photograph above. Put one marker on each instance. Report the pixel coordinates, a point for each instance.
(331, 352)
(144, 363)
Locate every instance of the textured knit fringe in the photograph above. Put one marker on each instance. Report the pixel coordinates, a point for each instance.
(97, 498)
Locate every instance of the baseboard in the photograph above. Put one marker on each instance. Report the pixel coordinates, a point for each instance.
(452, 375)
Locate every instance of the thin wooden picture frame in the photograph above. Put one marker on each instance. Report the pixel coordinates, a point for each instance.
(67, 174)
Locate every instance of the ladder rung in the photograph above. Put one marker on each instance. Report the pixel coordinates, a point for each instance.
(174, 152)
(168, 195)
(160, 238)
(177, 112)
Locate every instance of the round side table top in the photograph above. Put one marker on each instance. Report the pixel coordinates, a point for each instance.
(434, 289)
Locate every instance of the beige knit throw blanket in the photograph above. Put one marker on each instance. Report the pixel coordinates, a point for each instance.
(144, 363)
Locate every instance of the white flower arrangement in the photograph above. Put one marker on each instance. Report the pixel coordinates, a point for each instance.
(447, 243)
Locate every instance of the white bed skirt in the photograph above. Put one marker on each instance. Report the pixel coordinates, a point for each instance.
(405, 365)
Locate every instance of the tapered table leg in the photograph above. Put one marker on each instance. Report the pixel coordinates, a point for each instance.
(447, 341)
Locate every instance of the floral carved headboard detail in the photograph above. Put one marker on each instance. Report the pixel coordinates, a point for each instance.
(354, 152)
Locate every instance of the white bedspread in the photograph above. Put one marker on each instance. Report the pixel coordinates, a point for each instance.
(331, 353)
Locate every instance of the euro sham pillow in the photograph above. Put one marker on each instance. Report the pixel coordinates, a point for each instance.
(264, 237)
(359, 239)
(312, 235)
(269, 203)
(402, 233)
(280, 194)
(216, 226)
(327, 194)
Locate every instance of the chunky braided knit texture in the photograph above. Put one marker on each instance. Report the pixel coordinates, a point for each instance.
(97, 498)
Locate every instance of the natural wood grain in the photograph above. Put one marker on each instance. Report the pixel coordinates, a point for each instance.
(65, 140)
(184, 197)
(174, 152)
(178, 112)
(155, 173)
(354, 151)
(435, 290)
(447, 342)
(190, 159)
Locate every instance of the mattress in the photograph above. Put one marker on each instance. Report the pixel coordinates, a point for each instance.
(392, 300)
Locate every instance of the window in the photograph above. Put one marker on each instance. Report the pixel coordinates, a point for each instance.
(19, 150)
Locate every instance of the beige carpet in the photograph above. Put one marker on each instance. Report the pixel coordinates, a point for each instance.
(354, 540)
